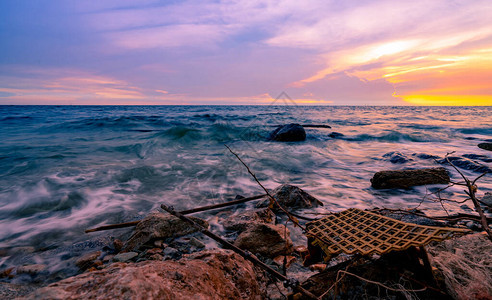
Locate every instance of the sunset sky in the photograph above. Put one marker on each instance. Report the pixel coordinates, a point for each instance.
(246, 52)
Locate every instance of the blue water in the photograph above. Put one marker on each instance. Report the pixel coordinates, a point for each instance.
(67, 168)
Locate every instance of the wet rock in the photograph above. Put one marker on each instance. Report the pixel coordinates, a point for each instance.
(118, 245)
(335, 135)
(196, 243)
(219, 274)
(288, 133)
(425, 156)
(483, 158)
(465, 265)
(279, 260)
(265, 239)
(124, 257)
(242, 221)
(159, 226)
(487, 199)
(317, 267)
(466, 164)
(6, 272)
(292, 196)
(396, 157)
(87, 261)
(403, 179)
(485, 146)
(171, 253)
(13, 291)
(31, 269)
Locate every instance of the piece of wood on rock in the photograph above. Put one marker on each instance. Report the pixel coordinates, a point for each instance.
(288, 133)
(403, 179)
(465, 266)
(160, 226)
(268, 240)
(217, 274)
(292, 196)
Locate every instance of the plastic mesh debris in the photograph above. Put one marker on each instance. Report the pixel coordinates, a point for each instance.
(357, 231)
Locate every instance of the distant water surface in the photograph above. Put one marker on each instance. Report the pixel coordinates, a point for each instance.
(66, 168)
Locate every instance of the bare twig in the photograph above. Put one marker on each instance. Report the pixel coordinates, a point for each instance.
(471, 192)
(380, 284)
(272, 199)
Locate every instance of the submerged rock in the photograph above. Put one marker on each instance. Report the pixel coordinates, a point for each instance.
(403, 179)
(87, 260)
(218, 274)
(266, 239)
(160, 226)
(396, 157)
(288, 133)
(466, 164)
(335, 135)
(292, 196)
(485, 146)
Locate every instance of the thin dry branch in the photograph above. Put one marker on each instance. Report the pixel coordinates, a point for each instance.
(471, 192)
(272, 199)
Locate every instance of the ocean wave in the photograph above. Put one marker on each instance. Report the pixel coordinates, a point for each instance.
(393, 136)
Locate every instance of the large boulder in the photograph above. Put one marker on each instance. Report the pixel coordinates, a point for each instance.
(292, 196)
(159, 226)
(242, 221)
(288, 133)
(485, 146)
(403, 179)
(267, 240)
(218, 274)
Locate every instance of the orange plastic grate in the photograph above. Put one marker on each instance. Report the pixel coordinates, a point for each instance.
(357, 231)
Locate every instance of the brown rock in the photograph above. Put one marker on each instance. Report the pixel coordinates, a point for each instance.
(118, 245)
(87, 260)
(403, 179)
(31, 269)
(317, 267)
(6, 272)
(266, 239)
(301, 250)
(219, 274)
(279, 260)
(292, 196)
(159, 226)
(242, 221)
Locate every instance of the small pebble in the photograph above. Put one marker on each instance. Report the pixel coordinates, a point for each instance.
(124, 257)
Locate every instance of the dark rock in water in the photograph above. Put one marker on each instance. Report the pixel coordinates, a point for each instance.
(483, 158)
(487, 199)
(291, 196)
(466, 164)
(403, 179)
(425, 156)
(218, 274)
(265, 239)
(288, 133)
(159, 226)
(335, 135)
(396, 157)
(242, 221)
(485, 146)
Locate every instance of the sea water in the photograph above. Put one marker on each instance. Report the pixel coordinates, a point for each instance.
(64, 169)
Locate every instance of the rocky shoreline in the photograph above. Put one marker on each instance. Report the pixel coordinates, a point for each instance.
(165, 258)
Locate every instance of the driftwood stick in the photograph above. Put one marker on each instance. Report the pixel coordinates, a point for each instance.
(239, 251)
(220, 205)
(184, 212)
(113, 226)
